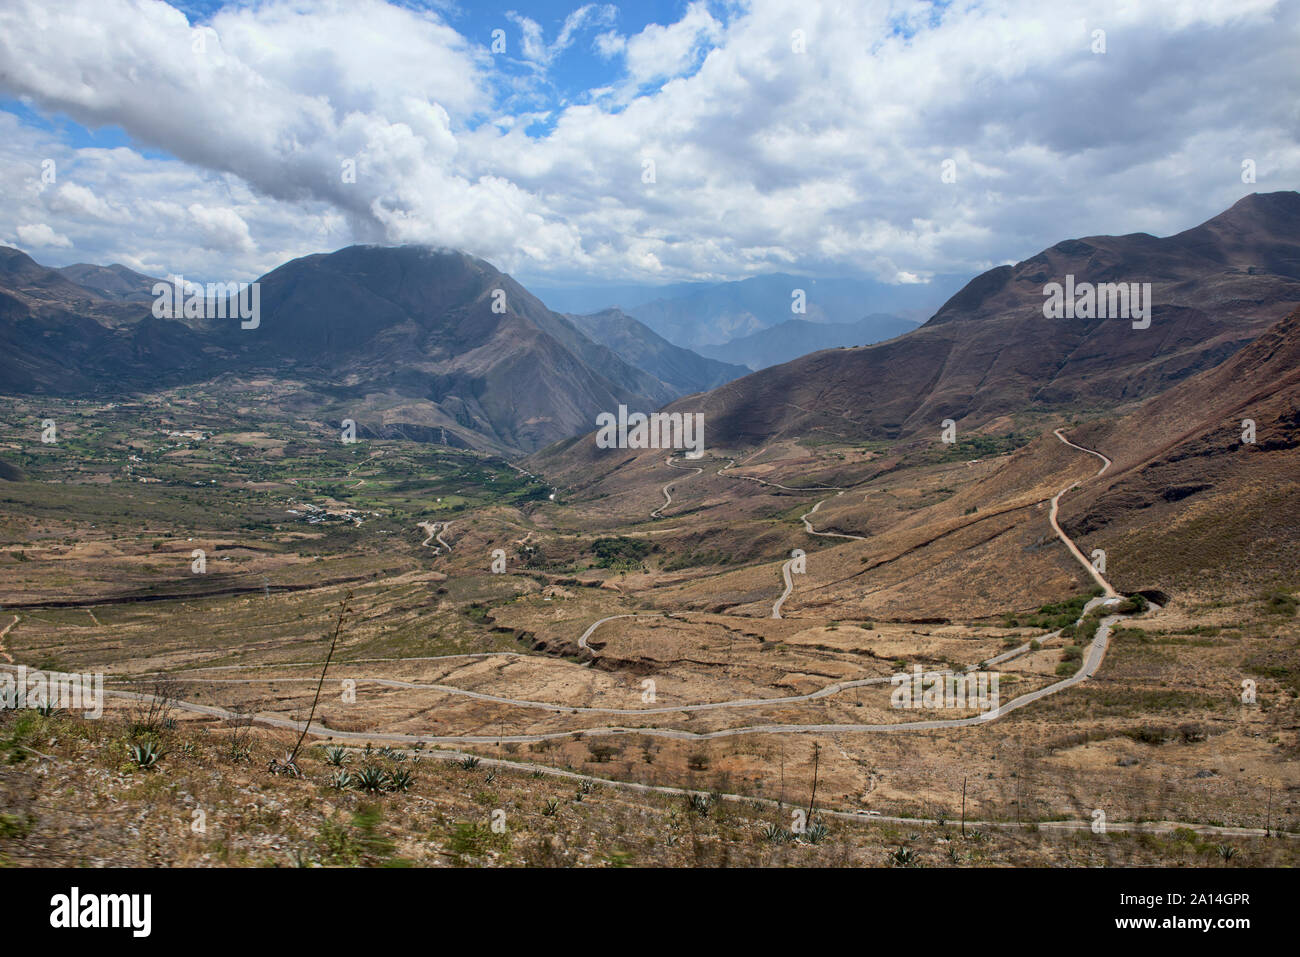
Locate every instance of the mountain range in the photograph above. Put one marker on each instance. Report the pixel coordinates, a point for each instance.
(990, 352)
(796, 337)
(435, 343)
(749, 320)
(404, 340)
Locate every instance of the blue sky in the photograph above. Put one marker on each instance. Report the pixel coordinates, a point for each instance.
(657, 142)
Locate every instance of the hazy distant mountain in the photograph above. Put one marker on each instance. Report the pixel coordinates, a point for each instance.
(112, 282)
(638, 344)
(587, 298)
(797, 337)
(714, 314)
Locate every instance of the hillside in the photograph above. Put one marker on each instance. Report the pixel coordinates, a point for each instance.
(1189, 504)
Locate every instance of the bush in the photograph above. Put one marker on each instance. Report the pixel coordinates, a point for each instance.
(1280, 603)
(619, 552)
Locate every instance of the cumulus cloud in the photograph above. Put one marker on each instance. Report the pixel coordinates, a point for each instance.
(659, 52)
(291, 127)
(78, 200)
(42, 236)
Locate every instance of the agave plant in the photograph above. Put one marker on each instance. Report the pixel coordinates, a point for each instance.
(336, 755)
(775, 834)
(341, 781)
(699, 803)
(552, 806)
(489, 777)
(47, 709)
(903, 857)
(469, 763)
(816, 832)
(1226, 851)
(370, 779)
(146, 754)
(400, 780)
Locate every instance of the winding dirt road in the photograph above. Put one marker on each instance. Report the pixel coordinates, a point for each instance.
(668, 498)
(812, 531)
(435, 530)
(1069, 543)
(789, 587)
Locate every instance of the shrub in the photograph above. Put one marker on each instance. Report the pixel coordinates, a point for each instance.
(370, 779)
(146, 754)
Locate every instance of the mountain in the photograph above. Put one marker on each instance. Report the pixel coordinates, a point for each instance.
(404, 340)
(797, 337)
(395, 324)
(990, 351)
(111, 282)
(24, 278)
(717, 313)
(636, 343)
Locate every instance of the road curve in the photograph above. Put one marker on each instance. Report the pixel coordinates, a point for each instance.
(812, 531)
(668, 499)
(789, 488)
(582, 641)
(435, 530)
(789, 587)
(1069, 543)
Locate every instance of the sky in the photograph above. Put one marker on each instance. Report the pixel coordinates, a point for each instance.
(645, 142)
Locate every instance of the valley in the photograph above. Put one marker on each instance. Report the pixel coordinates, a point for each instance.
(544, 668)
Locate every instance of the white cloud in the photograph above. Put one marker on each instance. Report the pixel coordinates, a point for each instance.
(220, 229)
(78, 200)
(42, 236)
(535, 48)
(660, 52)
(824, 161)
(610, 43)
